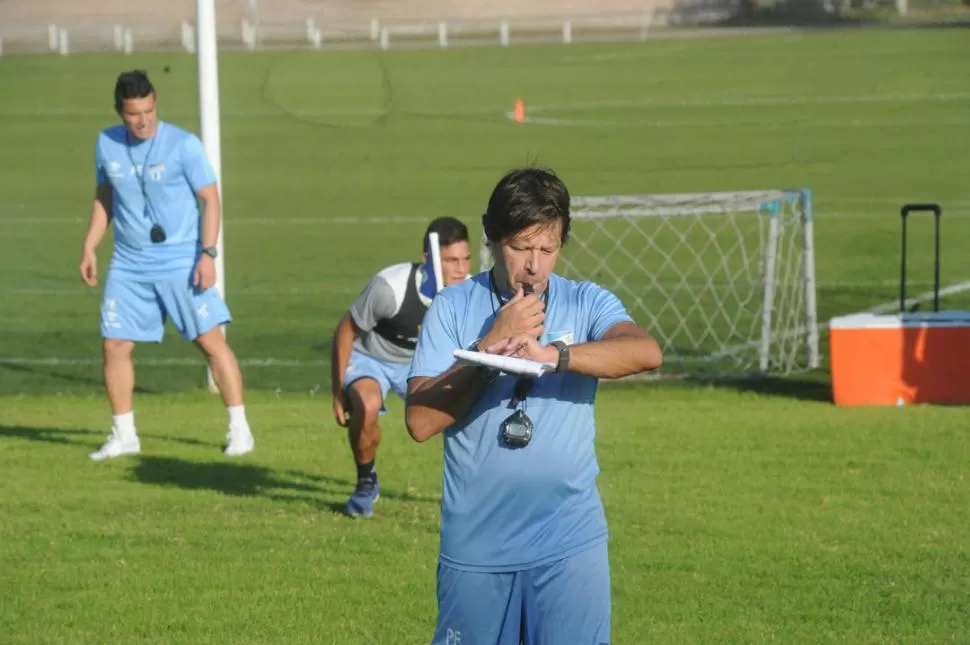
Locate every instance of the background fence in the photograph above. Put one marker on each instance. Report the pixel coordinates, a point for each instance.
(39, 26)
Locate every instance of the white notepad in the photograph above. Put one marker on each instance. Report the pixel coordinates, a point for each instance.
(507, 364)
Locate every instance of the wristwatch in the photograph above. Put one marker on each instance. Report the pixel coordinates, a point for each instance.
(563, 365)
(211, 251)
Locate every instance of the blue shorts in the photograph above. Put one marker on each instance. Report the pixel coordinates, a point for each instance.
(390, 376)
(133, 309)
(567, 601)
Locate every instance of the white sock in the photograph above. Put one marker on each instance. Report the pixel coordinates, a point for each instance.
(237, 416)
(124, 424)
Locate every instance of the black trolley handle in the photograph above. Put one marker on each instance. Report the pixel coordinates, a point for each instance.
(937, 212)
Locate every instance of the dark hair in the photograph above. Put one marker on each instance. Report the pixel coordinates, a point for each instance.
(131, 85)
(449, 230)
(525, 197)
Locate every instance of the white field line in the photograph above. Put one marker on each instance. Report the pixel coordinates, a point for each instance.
(322, 290)
(883, 308)
(297, 363)
(163, 362)
(950, 209)
(370, 111)
(790, 125)
(245, 221)
(768, 101)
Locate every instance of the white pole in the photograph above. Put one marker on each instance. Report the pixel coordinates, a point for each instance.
(119, 37)
(503, 34)
(188, 37)
(208, 65)
(248, 34)
(567, 32)
(62, 40)
(129, 42)
(52, 37)
(442, 34)
(771, 261)
(435, 248)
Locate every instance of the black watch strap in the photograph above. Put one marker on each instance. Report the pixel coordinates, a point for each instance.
(563, 365)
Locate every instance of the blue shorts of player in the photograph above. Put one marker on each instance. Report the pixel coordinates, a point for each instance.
(136, 309)
(390, 376)
(566, 601)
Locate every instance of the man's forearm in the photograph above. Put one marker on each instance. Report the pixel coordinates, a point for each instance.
(615, 357)
(97, 226)
(211, 216)
(434, 404)
(341, 346)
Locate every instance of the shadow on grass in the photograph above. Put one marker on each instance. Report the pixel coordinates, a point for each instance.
(809, 387)
(61, 436)
(250, 480)
(814, 14)
(80, 437)
(51, 372)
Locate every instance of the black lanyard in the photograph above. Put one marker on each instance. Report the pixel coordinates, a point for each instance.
(523, 384)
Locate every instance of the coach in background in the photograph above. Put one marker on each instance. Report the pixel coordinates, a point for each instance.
(151, 176)
(523, 550)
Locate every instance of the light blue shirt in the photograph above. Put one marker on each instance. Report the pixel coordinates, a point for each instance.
(169, 168)
(504, 508)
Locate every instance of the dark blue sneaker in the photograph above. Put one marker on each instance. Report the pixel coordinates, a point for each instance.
(362, 502)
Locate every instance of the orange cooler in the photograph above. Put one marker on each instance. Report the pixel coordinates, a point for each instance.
(902, 358)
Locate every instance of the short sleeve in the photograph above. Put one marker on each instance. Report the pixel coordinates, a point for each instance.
(438, 340)
(374, 304)
(100, 174)
(605, 309)
(195, 164)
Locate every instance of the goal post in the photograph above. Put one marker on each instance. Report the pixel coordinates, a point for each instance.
(724, 281)
(207, 63)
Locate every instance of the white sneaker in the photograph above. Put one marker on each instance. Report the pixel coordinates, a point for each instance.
(116, 446)
(239, 442)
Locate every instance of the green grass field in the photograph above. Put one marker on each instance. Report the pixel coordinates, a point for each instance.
(738, 513)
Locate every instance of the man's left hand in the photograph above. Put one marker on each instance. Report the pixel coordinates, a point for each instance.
(205, 273)
(524, 346)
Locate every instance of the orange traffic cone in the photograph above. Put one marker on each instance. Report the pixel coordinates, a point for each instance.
(519, 111)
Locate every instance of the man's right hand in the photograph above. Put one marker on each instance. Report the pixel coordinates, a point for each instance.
(522, 315)
(89, 268)
(341, 408)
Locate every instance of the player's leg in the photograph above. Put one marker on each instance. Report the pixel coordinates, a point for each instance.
(367, 383)
(228, 377)
(477, 608)
(198, 316)
(129, 314)
(568, 601)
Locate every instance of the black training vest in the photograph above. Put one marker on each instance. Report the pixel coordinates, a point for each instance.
(402, 328)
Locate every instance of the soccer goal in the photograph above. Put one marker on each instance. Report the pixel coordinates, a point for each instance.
(724, 281)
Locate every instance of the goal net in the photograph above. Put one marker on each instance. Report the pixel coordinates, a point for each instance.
(724, 281)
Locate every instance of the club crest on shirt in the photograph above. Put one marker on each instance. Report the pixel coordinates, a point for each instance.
(564, 336)
(156, 172)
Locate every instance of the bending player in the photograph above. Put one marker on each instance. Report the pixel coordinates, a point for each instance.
(374, 342)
